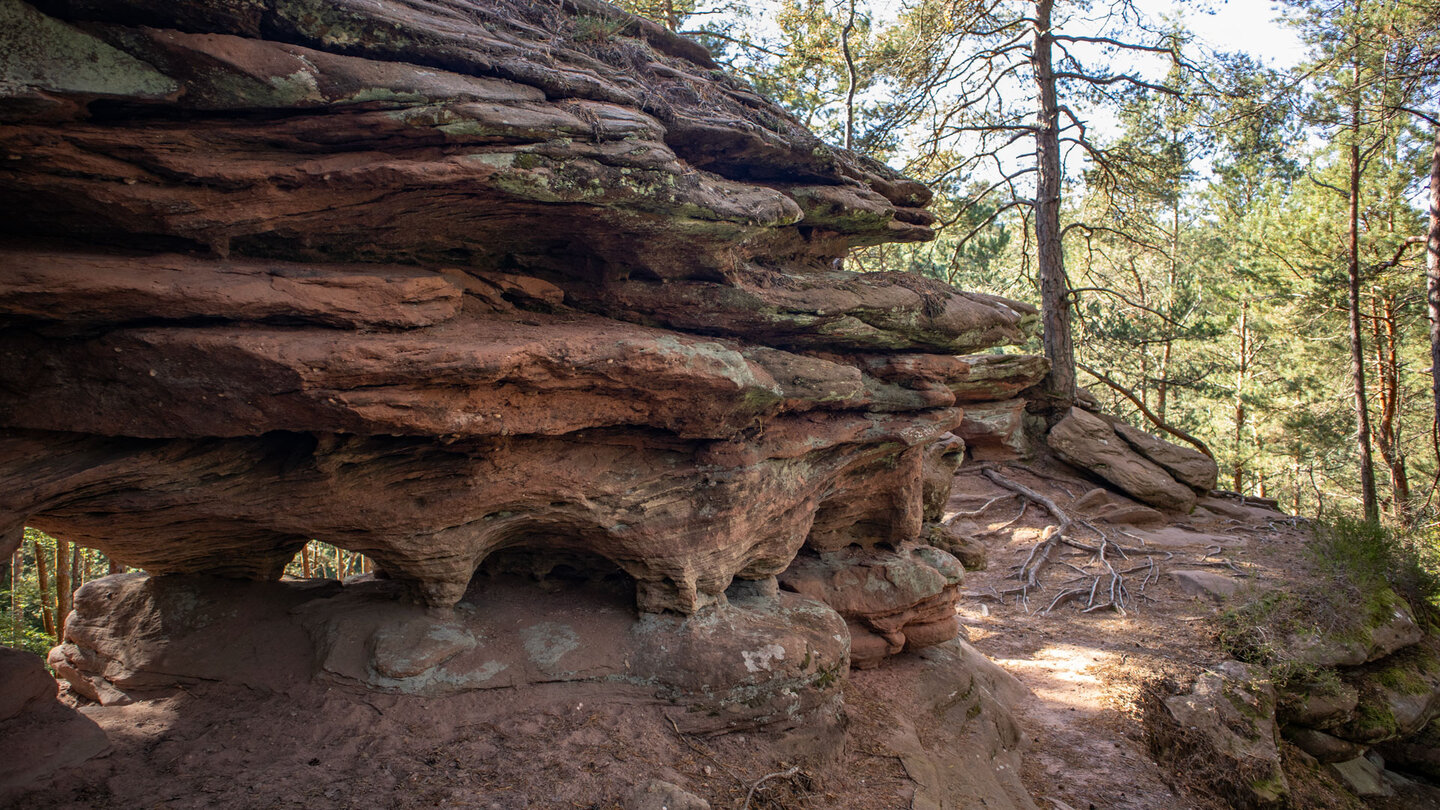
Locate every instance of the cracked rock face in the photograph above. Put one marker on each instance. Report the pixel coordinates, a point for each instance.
(466, 287)
(380, 275)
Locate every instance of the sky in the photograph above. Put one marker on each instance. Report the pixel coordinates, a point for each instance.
(1237, 25)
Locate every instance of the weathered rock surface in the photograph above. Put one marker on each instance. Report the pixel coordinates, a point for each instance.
(1103, 504)
(382, 277)
(1398, 696)
(995, 431)
(1381, 628)
(765, 659)
(660, 795)
(1419, 753)
(546, 324)
(1230, 713)
(1188, 465)
(1089, 442)
(1205, 583)
(892, 600)
(1323, 747)
(941, 460)
(961, 745)
(41, 735)
(990, 377)
(1364, 777)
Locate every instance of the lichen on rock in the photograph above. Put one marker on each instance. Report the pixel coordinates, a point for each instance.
(482, 292)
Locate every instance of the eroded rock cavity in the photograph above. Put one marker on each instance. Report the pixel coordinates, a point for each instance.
(447, 283)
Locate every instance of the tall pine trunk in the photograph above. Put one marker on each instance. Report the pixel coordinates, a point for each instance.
(1357, 349)
(1242, 371)
(1049, 258)
(42, 574)
(1432, 273)
(1385, 336)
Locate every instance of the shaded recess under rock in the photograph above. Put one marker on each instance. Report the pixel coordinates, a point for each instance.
(534, 319)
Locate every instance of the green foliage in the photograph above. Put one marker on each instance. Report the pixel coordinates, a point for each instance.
(1366, 561)
(327, 562)
(1350, 564)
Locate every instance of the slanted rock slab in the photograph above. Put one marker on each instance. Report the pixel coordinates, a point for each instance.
(1208, 584)
(1090, 443)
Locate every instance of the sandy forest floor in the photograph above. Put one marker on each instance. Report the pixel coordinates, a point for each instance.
(314, 746)
(1089, 672)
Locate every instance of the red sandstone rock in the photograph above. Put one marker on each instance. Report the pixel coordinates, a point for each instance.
(447, 285)
(892, 600)
(996, 376)
(995, 431)
(1089, 442)
(41, 735)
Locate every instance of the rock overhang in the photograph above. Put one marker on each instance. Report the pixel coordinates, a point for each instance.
(381, 275)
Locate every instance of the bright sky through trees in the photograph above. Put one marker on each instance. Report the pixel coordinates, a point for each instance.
(1237, 25)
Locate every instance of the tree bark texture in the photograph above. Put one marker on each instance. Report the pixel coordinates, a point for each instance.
(1432, 271)
(1357, 349)
(1050, 262)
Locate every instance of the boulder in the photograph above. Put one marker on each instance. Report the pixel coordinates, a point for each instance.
(1229, 718)
(1364, 777)
(1319, 705)
(1102, 504)
(1323, 747)
(1398, 696)
(960, 544)
(41, 735)
(660, 795)
(892, 600)
(1188, 465)
(1090, 443)
(1385, 626)
(995, 431)
(1208, 584)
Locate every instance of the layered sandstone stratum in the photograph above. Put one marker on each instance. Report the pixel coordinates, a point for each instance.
(524, 300)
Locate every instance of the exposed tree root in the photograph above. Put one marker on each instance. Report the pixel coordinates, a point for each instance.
(785, 774)
(1102, 587)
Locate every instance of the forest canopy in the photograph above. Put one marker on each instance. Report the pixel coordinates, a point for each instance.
(1237, 251)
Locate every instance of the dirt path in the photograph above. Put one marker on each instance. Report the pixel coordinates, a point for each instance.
(1085, 669)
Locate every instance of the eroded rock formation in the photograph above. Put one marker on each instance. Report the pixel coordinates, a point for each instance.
(493, 293)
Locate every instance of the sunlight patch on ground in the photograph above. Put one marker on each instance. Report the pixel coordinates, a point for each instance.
(1061, 673)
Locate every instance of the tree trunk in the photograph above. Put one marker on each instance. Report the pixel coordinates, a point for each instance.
(1049, 259)
(1242, 362)
(851, 77)
(1162, 387)
(42, 574)
(63, 587)
(1432, 275)
(1357, 350)
(1384, 330)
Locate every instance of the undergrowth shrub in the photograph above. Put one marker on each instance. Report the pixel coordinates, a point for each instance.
(1368, 558)
(1354, 572)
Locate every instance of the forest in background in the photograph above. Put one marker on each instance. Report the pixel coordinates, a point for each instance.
(1202, 206)
(1235, 256)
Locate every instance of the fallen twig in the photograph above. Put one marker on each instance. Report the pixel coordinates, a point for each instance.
(791, 771)
(983, 507)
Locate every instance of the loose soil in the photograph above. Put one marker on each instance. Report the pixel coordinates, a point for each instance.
(315, 746)
(1089, 671)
